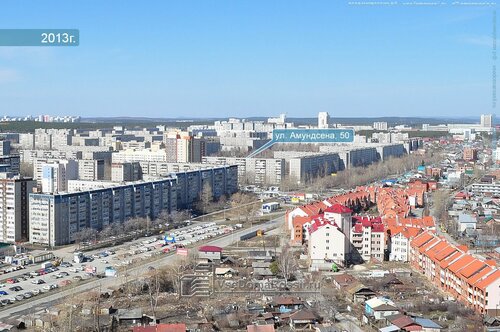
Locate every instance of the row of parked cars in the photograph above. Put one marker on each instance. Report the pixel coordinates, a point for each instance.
(6, 299)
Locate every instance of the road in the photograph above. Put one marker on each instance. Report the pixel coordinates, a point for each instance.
(38, 304)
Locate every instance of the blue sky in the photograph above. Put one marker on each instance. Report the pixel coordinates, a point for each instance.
(249, 58)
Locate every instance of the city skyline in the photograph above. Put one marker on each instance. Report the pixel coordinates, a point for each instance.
(240, 59)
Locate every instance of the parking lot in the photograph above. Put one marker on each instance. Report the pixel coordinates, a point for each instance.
(27, 283)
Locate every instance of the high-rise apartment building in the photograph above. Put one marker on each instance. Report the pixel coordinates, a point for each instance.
(125, 172)
(487, 120)
(380, 126)
(55, 175)
(14, 207)
(323, 120)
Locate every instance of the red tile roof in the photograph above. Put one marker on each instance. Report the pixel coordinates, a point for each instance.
(484, 283)
(210, 249)
(337, 208)
(474, 267)
(460, 263)
(421, 239)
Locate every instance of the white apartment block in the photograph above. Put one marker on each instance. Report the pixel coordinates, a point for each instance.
(54, 175)
(380, 126)
(91, 170)
(124, 172)
(368, 238)
(329, 236)
(487, 120)
(323, 120)
(400, 248)
(268, 171)
(139, 155)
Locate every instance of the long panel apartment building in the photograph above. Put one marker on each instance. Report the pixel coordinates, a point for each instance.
(55, 218)
(269, 171)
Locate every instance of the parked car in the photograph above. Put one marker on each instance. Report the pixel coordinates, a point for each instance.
(3, 293)
(12, 280)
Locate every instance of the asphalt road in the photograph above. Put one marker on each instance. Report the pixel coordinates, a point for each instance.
(37, 304)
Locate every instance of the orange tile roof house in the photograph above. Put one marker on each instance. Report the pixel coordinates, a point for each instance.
(471, 280)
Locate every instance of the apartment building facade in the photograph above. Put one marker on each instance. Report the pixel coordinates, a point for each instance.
(469, 279)
(368, 238)
(55, 218)
(14, 207)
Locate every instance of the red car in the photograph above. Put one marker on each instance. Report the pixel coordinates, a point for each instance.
(11, 280)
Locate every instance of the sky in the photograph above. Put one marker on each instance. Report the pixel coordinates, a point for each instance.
(250, 58)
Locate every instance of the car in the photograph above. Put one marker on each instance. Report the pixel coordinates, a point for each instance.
(46, 287)
(37, 281)
(4, 302)
(56, 276)
(77, 278)
(2, 285)
(96, 256)
(54, 286)
(11, 299)
(14, 289)
(64, 274)
(28, 295)
(104, 261)
(66, 264)
(3, 293)
(12, 280)
(19, 297)
(36, 291)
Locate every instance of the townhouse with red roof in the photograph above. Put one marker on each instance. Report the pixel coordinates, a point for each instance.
(471, 280)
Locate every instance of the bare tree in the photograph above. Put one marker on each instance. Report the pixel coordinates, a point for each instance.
(154, 288)
(287, 263)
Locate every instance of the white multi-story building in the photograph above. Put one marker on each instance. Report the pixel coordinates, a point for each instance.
(139, 155)
(380, 126)
(329, 235)
(54, 176)
(91, 170)
(323, 120)
(268, 171)
(487, 120)
(368, 238)
(124, 172)
(14, 207)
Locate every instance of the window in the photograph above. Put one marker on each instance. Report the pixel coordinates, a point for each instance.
(327, 241)
(327, 248)
(327, 234)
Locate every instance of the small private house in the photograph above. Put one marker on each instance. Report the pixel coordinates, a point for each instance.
(380, 307)
(286, 304)
(225, 272)
(210, 253)
(466, 221)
